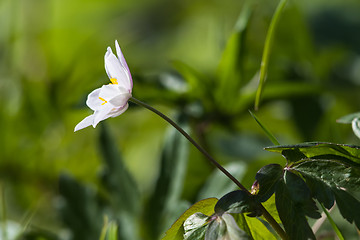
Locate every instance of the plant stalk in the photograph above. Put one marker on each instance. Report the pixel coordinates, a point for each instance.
(266, 214)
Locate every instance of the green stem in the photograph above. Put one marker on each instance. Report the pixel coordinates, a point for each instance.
(187, 136)
(266, 214)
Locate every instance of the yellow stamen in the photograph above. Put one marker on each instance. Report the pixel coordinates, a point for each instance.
(102, 100)
(113, 80)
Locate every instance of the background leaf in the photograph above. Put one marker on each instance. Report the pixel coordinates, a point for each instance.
(120, 186)
(231, 66)
(348, 118)
(79, 209)
(165, 201)
(267, 50)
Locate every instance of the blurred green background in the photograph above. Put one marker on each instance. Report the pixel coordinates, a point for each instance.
(52, 56)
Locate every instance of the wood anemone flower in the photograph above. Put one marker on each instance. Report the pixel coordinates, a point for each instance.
(110, 100)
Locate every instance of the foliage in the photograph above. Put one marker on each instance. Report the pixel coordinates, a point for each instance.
(199, 62)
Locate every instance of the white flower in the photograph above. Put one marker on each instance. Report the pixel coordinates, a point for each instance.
(110, 100)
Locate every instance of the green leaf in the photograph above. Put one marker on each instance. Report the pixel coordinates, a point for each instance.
(329, 179)
(254, 227)
(292, 214)
(195, 79)
(348, 118)
(265, 129)
(270, 206)
(79, 210)
(320, 190)
(112, 232)
(237, 202)
(349, 206)
(333, 173)
(333, 224)
(258, 230)
(176, 231)
(320, 150)
(115, 177)
(196, 226)
(266, 53)
(198, 84)
(233, 230)
(230, 69)
(123, 194)
(267, 178)
(36, 234)
(216, 230)
(216, 227)
(297, 188)
(164, 203)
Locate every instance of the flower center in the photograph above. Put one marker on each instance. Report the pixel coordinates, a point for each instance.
(113, 81)
(104, 101)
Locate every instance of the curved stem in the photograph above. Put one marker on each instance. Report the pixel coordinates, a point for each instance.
(266, 214)
(203, 151)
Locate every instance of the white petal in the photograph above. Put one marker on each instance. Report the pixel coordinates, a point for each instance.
(102, 114)
(120, 100)
(110, 91)
(119, 111)
(123, 61)
(107, 54)
(85, 123)
(93, 100)
(114, 69)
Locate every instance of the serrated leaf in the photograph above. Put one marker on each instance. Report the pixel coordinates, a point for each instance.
(297, 188)
(165, 199)
(348, 118)
(291, 214)
(267, 177)
(320, 150)
(320, 190)
(236, 202)
(205, 207)
(333, 173)
(349, 206)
